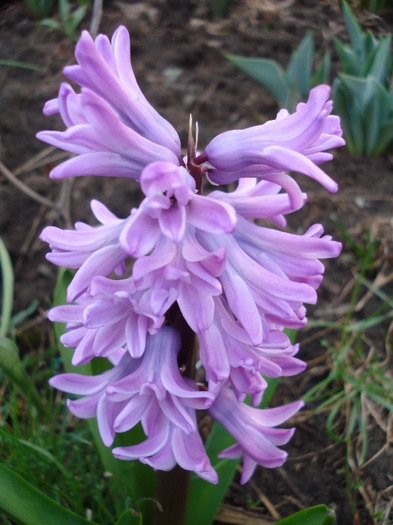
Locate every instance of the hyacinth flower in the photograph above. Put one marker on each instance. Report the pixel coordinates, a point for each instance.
(296, 142)
(94, 251)
(254, 430)
(187, 297)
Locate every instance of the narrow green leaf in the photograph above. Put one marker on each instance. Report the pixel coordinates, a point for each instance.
(50, 23)
(340, 106)
(356, 35)
(272, 384)
(381, 65)
(299, 68)
(349, 98)
(23, 65)
(319, 515)
(11, 365)
(7, 295)
(376, 111)
(30, 506)
(10, 362)
(350, 62)
(64, 10)
(78, 15)
(47, 455)
(267, 73)
(322, 73)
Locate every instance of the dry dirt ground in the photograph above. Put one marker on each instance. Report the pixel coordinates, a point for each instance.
(178, 53)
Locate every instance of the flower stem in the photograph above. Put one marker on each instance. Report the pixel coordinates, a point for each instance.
(172, 494)
(172, 487)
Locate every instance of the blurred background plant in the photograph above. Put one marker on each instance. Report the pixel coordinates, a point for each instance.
(363, 89)
(292, 85)
(67, 19)
(40, 8)
(374, 6)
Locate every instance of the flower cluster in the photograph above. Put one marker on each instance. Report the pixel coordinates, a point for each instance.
(203, 271)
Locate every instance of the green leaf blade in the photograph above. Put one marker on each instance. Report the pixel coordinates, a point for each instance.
(30, 506)
(319, 515)
(267, 73)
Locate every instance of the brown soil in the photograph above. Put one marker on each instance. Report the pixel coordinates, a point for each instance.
(178, 56)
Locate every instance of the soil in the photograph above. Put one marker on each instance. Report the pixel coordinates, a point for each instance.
(178, 53)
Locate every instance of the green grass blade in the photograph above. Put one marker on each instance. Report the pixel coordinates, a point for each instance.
(23, 65)
(130, 518)
(29, 505)
(46, 455)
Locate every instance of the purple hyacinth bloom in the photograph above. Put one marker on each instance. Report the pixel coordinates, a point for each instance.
(270, 274)
(94, 402)
(168, 445)
(158, 380)
(107, 319)
(227, 353)
(94, 250)
(253, 199)
(110, 125)
(257, 440)
(185, 266)
(162, 235)
(296, 142)
(172, 204)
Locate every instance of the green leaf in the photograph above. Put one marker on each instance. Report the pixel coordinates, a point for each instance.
(356, 35)
(47, 455)
(272, 384)
(376, 112)
(11, 365)
(322, 73)
(7, 296)
(267, 73)
(40, 8)
(340, 106)
(30, 506)
(319, 515)
(380, 66)
(130, 517)
(64, 10)
(78, 15)
(10, 362)
(350, 62)
(23, 65)
(298, 71)
(349, 107)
